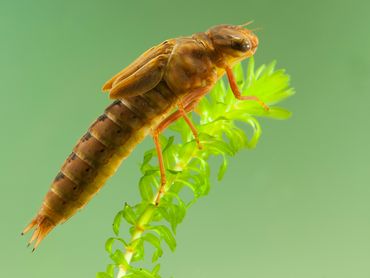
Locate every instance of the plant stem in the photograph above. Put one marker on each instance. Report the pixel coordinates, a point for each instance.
(144, 219)
(147, 215)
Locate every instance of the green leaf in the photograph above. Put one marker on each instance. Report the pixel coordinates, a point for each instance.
(174, 172)
(278, 113)
(103, 275)
(119, 258)
(256, 135)
(186, 151)
(169, 144)
(223, 167)
(175, 213)
(142, 273)
(129, 214)
(250, 77)
(173, 216)
(203, 107)
(239, 75)
(110, 241)
(117, 223)
(259, 71)
(216, 146)
(147, 158)
(190, 185)
(165, 234)
(152, 239)
(156, 269)
(145, 186)
(110, 269)
(139, 249)
(156, 255)
(270, 68)
(168, 213)
(217, 94)
(108, 245)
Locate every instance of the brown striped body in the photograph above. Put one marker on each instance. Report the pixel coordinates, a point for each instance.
(175, 73)
(98, 153)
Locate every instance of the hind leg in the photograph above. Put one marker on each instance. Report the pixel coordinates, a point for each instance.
(181, 112)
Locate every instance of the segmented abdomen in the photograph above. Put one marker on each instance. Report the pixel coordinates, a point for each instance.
(97, 155)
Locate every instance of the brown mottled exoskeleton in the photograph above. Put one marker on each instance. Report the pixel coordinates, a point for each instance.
(162, 85)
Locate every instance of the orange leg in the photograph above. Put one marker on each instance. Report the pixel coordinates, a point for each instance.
(161, 165)
(165, 123)
(237, 94)
(182, 112)
(176, 115)
(190, 124)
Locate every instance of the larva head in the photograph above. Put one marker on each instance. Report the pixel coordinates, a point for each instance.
(234, 42)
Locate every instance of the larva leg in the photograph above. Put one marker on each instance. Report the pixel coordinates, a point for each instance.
(163, 125)
(236, 92)
(170, 119)
(183, 113)
(186, 104)
(161, 165)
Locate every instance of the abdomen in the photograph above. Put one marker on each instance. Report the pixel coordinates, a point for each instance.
(98, 153)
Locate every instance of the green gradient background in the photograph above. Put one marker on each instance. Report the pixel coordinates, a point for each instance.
(296, 207)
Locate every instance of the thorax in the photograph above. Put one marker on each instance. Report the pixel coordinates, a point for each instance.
(190, 66)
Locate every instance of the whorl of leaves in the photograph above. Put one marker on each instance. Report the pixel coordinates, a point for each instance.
(218, 122)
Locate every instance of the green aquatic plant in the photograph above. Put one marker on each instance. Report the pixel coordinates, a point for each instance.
(217, 119)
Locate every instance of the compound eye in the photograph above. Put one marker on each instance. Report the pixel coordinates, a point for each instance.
(242, 46)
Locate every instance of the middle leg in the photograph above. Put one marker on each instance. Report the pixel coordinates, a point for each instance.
(162, 126)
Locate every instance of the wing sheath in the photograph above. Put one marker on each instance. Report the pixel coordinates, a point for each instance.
(141, 81)
(164, 48)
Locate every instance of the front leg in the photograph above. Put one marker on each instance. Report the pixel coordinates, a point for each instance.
(237, 93)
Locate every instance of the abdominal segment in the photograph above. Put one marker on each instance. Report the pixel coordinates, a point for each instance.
(98, 153)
